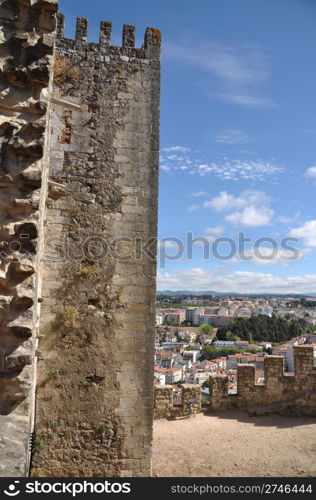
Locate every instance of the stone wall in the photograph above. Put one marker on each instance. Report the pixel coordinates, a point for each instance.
(96, 351)
(27, 40)
(190, 401)
(290, 394)
(163, 401)
(282, 393)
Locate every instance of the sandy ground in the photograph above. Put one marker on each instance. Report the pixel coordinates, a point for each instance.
(233, 444)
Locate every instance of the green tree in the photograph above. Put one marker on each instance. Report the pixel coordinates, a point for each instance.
(206, 329)
(231, 336)
(263, 328)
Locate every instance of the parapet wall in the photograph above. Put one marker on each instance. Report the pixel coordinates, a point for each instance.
(149, 50)
(282, 393)
(96, 352)
(27, 41)
(295, 394)
(190, 401)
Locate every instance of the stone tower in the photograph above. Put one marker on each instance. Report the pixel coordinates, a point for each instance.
(79, 178)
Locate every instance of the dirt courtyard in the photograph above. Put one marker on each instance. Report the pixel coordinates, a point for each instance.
(233, 444)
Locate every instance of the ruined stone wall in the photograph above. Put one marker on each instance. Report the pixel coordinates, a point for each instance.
(26, 47)
(281, 393)
(190, 401)
(163, 401)
(96, 351)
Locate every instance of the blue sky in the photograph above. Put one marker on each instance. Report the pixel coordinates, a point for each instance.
(238, 137)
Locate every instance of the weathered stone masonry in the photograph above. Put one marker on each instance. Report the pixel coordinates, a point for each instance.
(26, 41)
(95, 395)
(98, 194)
(282, 393)
(190, 401)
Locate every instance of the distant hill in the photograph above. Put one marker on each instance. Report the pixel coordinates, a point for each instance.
(176, 293)
(189, 292)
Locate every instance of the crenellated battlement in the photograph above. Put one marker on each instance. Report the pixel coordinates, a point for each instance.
(279, 386)
(283, 393)
(150, 47)
(191, 403)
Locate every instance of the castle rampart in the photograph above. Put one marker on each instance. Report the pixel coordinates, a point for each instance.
(294, 393)
(282, 392)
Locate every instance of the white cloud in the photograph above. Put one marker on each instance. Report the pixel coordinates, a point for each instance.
(287, 220)
(192, 208)
(168, 243)
(216, 231)
(249, 209)
(228, 62)
(234, 170)
(199, 194)
(176, 149)
(224, 201)
(251, 217)
(283, 219)
(233, 136)
(311, 172)
(177, 158)
(307, 232)
(248, 101)
(238, 281)
(166, 168)
(234, 71)
(268, 256)
(226, 169)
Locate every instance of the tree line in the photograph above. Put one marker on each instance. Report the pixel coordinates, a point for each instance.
(263, 328)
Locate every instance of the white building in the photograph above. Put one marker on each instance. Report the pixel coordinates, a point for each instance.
(192, 356)
(197, 378)
(243, 312)
(223, 311)
(192, 315)
(160, 318)
(264, 311)
(222, 344)
(160, 375)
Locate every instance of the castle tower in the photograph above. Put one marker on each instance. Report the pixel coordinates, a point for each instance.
(91, 357)
(95, 371)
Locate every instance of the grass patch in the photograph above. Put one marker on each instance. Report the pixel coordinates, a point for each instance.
(103, 427)
(54, 374)
(70, 317)
(65, 72)
(88, 270)
(37, 445)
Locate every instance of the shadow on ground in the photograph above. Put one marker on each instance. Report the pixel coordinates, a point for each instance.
(277, 421)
